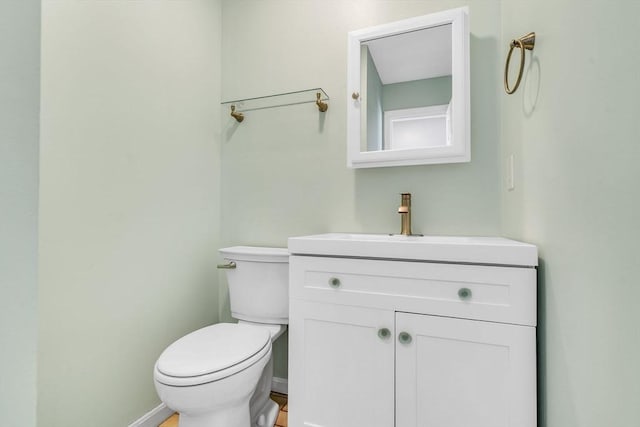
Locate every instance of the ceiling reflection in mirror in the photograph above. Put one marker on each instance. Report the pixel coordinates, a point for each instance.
(406, 87)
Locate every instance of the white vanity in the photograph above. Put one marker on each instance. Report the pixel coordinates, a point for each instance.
(412, 331)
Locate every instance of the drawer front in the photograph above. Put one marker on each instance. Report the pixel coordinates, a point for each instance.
(492, 293)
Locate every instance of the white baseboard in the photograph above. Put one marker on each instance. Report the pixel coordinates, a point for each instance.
(280, 385)
(154, 417)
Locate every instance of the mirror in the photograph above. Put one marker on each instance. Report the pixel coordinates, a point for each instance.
(410, 84)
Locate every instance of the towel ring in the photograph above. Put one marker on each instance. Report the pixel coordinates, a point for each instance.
(523, 43)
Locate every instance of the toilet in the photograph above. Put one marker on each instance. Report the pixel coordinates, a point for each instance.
(220, 375)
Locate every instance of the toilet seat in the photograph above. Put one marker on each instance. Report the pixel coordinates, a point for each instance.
(211, 354)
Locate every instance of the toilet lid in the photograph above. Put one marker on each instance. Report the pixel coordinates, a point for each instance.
(212, 349)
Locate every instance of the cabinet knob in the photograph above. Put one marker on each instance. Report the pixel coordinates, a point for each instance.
(384, 333)
(404, 338)
(355, 95)
(464, 293)
(334, 282)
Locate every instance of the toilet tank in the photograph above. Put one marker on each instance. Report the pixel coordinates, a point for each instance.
(259, 283)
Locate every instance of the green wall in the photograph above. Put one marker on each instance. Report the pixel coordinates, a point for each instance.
(19, 118)
(129, 199)
(417, 93)
(283, 169)
(574, 131)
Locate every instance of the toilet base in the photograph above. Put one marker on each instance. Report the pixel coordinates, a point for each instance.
(227, 417)
(267, 415)
(233, 417)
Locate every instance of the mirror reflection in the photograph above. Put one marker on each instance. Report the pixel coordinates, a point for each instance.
(406, 87)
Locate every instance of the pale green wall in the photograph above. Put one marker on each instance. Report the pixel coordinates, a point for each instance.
(129, 199)
(417, 93)
(573, 127)
(19, 118)
(284, 169)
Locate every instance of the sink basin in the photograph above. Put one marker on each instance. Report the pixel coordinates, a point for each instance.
(459, 249)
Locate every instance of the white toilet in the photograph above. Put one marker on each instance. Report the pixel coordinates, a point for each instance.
(220, 375)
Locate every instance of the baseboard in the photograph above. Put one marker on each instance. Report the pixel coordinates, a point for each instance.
(280, 385)
(154, 417)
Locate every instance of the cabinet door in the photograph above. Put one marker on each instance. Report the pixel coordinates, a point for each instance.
(340, 366)
(464, 373)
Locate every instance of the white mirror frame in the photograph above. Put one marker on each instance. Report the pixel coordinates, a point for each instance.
(460, 148)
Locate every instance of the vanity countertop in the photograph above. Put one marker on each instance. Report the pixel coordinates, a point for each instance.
(457, 249)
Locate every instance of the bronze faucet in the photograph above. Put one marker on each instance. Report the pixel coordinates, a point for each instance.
(405, 211)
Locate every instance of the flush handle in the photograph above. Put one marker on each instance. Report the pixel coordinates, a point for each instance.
(229, 266)
(464, 293)
(334, 282)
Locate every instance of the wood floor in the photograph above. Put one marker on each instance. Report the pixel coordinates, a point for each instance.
(280, 399)
(172, 421)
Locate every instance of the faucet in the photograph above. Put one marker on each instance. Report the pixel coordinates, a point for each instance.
(405, 211)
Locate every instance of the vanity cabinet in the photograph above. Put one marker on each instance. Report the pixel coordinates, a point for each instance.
(343, 370)
(461, 373)
(378, 342)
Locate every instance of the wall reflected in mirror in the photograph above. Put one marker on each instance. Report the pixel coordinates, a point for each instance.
(406, 86)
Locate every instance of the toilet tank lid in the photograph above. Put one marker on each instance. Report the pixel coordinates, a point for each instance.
(255, 253)
(212, 349)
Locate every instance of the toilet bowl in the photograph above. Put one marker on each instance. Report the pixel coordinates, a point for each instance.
(220, 375)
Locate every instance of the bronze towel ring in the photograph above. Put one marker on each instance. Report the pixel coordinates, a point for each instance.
(525, 42)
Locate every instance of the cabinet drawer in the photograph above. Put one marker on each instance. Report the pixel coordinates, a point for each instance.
(492, 293)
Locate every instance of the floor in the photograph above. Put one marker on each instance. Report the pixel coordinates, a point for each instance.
(280, 399)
